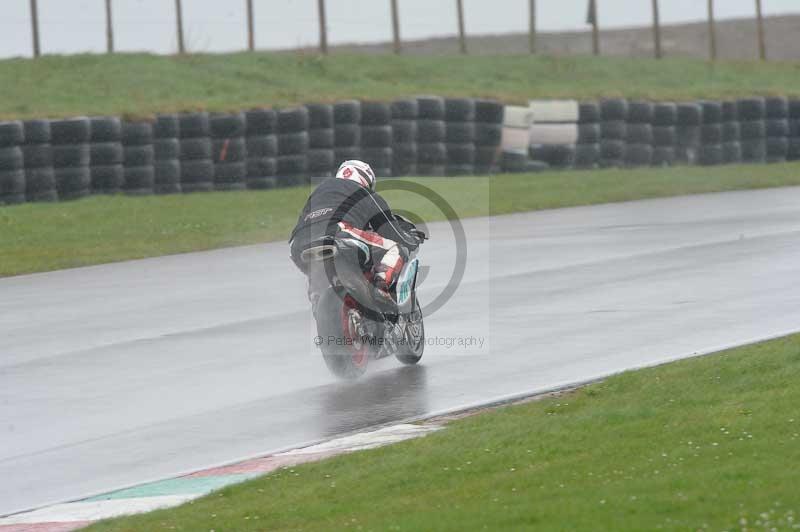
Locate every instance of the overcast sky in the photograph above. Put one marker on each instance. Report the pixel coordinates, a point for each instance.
(69, 26)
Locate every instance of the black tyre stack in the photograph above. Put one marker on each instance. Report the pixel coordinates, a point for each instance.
(106, 155)
(488, 136)
(665, 116)
(197, 168)
(228, 151)
(711, 152)
(587, 149)
(70, 142)
(404, 137)
(793, 153)
(138, 158)
(639, 134)
(431, 135)
(689, 121)
(12, 173)
(777, 129)
(40, 181)
(459, 114)
(292, 166)
(262, 148)
(731, 134)
(167, 153)
(752, 112)
(346, 131)
(377, 137)
(614, 128)
(321, 155)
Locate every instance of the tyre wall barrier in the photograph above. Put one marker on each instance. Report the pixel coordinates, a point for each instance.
(229, 151)
(167, 153)
(106, 155)
(460, 136)
(71, 156)
(622, 133)
(12, 166)
(587, 149)
(431, 136)
(488, 136)
(261, 143)
(47, 160)
(347, 130)
(293, 143)
(197, 167)
(553, 135)
(321, 155)
(40, 180)
(515, 138)
(138, 158)
(376, 137)
(404, 137)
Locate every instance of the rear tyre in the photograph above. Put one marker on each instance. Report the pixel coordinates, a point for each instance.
(344, 353)
(411, 351)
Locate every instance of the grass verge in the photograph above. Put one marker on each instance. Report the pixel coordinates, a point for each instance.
(44, 237)
(141, 84)
(706, 443)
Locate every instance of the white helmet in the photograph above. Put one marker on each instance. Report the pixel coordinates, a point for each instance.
(357, 171)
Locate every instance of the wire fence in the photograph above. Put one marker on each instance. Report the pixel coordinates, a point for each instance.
(524, 10)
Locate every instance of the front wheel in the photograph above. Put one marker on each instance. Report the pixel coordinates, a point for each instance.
(338, 321)
(410, 351)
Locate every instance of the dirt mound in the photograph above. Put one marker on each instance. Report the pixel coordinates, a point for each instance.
(736, 39)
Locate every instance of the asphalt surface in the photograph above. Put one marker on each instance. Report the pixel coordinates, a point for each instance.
(119, 374)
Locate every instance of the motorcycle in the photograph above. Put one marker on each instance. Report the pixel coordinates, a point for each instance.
(352, 328)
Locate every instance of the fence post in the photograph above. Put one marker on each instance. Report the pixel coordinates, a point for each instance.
(532, 36)
(179, 22)
(762, 46)
(712, 32)
(591, 18)
(35, 28)
(109, 28)
(656, 30)
(323, 28)
(251, 38)
(396, 27)
(462, 40)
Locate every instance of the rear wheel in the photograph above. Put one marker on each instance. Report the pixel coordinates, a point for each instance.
(410, 352)
(338, 324)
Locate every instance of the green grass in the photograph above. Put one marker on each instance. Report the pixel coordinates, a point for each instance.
(708, 443)
(142, 84)
(43, 237)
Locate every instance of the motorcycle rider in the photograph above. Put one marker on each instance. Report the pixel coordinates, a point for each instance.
(348, 208)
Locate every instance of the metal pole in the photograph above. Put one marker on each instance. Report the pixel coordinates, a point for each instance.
(532, 36)
(462, 39)
(179, 21)
(396, 27)
(712, 32)
(595, 28)
(109, 28)
(762, 46)
(251, 38)
(35, 28)
(323, 28)
(656, 30)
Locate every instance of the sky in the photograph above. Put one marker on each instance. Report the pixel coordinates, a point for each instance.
(72, 26)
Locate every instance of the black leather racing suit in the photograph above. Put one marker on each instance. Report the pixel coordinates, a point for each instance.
(344, 209)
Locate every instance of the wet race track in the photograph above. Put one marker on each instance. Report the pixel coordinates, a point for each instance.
(119, 374)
